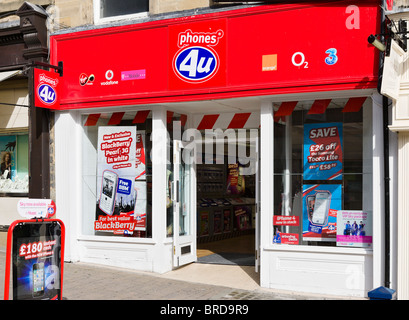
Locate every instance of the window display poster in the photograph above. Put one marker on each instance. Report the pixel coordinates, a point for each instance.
(243, 217)
(235, 181)
(116, 173)
(204, 223)
(284, 237)
(8, 157)
(36, 255)
(217, 222)
(354, 228)
(280, 237)
(323, 151)
(140, 205)
(321, 203)
(140, 163)
(286, 220)
(227, 220)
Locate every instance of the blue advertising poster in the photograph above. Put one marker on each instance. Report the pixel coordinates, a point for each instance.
(8, 157)
(321, 203)
(323, 151)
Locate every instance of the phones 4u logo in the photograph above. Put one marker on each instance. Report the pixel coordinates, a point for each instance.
(196, 61)
(46, 90)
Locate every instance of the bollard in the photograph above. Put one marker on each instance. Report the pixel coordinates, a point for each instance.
(382, 293)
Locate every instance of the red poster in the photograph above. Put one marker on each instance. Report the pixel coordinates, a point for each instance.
(115, 223)
(289, 238)
(286, 221)
(140, 219)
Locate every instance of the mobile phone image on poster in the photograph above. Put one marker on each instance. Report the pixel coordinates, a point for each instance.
(320, 206)
(108, 191)
(116, 170)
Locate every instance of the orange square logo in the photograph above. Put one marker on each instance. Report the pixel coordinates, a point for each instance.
(269, 62)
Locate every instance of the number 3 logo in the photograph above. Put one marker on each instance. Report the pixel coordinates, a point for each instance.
(332, 56)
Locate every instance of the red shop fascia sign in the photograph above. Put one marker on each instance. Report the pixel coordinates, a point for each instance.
(262, 50)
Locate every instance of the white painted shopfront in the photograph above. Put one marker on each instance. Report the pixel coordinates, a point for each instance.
(268, 116)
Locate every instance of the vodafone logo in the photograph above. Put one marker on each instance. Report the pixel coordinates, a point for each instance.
(109, 75)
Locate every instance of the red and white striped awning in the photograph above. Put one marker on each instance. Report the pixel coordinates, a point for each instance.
(116, 118)
(320, 106)
(227, 121)
(136, 116)
(245, 120)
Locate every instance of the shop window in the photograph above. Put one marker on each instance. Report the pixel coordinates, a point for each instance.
(14, 164)
(323, 174)
(118, 9)
(117, 174)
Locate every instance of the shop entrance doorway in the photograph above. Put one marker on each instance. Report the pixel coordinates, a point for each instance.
(215, 190)
(227, 206)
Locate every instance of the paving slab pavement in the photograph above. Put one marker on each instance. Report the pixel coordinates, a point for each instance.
(83, 281)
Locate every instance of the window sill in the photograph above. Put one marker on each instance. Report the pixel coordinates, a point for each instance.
(86, 238)
(317, 249)
(113, 19)
(14, 194)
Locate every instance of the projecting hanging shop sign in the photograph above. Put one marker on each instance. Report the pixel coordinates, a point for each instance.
(46, 89)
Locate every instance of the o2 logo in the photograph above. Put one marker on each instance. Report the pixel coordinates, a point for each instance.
(47, 94)
(298, 60)
(196, 64)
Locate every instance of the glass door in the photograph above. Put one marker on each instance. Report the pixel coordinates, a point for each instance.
(184, 204)
(257, 208)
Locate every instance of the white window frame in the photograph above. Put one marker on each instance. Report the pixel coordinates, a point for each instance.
(100, 20)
